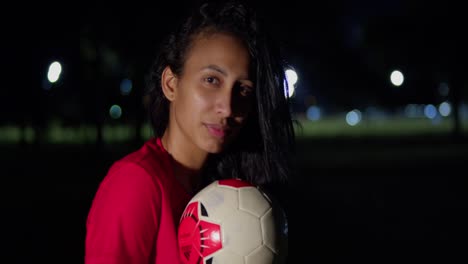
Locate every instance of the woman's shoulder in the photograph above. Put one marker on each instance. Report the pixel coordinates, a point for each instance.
(148, 156)
(149, 160)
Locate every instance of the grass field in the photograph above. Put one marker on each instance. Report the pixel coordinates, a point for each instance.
(335, 126)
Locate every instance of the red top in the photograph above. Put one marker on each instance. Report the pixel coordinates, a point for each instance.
(136, 210)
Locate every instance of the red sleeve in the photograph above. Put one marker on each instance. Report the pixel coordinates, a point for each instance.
(123, 221)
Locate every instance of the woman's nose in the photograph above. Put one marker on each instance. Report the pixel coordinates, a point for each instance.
(224, 104)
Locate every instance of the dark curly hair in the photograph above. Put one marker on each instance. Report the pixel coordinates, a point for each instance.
(262, 152)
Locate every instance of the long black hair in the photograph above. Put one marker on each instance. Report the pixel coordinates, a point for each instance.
(262, 152)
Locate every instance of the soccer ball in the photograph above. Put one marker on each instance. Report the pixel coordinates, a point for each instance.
(231, 222)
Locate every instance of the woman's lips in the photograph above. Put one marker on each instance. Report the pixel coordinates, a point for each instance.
(217, 130)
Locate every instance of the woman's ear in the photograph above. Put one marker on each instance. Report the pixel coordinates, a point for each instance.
(168, 83)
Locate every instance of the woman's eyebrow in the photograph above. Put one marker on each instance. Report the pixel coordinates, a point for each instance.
(215, 68)
(221, 70)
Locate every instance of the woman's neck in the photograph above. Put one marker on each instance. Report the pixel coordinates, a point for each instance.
(187, 165)
(190, 179)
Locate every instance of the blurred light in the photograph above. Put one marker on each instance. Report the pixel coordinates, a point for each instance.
(313, 113)
(353, 117)
(411, 110)
(291, 76)
(414, 110)
(291, 79)
(375, 113)
(397, 78)
(126, 86)
(54, 72)
(444, 89)
(430, 111)
(115, 111)
(445, 109)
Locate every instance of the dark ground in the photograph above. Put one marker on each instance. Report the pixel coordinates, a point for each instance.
(393, 200)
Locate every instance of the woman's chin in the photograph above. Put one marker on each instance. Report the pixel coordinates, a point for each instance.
(215, 147)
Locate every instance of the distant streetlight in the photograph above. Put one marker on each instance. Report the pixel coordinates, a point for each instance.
(397, 78)
(291, 79)
(55, 69)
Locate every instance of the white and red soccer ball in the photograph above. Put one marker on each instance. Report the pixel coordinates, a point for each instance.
(230, 221)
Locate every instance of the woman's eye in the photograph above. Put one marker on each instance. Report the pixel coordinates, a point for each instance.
(211, 80)
(245, 91)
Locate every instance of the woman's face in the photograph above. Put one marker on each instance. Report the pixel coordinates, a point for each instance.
(213, 95)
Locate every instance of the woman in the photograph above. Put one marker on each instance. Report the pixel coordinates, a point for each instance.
(218, 109)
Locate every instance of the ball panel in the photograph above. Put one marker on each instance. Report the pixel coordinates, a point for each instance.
(207, 188)
(242, 233)
(219, 203)
(261, 255)
(269, 231)
(227, 257)
(253, 201)
(197, 238)
(210, 238)
(189, 235)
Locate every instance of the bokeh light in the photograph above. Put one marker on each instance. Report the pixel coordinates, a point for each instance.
(291, 79)
(55, 69)
(397, 78)
(115, 111)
